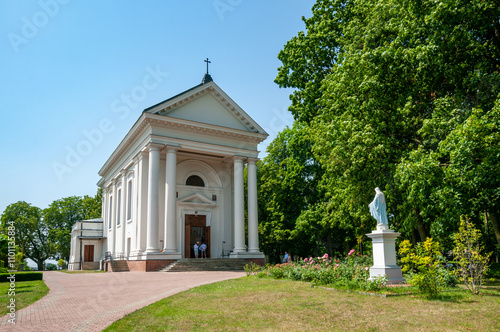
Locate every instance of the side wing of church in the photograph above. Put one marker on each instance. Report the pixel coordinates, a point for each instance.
(177, 179)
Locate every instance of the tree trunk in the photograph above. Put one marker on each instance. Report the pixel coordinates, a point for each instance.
(40, 265)
(420, 226)
(329, 244)
(496, 225)
(414, 237)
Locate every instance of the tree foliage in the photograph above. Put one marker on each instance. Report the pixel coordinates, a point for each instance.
(44, 234)
(62, 215)
(288, 178)
(31, 231)
(402, 95)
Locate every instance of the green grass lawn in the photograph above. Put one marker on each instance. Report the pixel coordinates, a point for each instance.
(250, 304)
(27, 292)
(81, 271)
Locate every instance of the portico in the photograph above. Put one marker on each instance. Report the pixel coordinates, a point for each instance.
(178, 177)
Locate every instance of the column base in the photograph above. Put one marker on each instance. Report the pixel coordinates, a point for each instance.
(393, 273)
(247, 255)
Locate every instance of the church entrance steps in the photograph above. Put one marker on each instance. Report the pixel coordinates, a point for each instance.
(206, 264)
(120, 266)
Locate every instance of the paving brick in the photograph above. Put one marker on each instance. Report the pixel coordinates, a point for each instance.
(92, 301)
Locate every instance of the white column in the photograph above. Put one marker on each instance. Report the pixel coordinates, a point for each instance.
(253, 223)
(239, 213)
(171, 201)
(113, 217)
(153, 198)
(105, 217)
(142, 200)
(123, 212)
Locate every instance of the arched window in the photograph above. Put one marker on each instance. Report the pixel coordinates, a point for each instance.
(195, 180)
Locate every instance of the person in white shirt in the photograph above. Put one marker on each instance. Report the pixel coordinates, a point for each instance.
(203, 249)
(195, 247)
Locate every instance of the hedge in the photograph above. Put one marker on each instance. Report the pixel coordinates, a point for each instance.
(22, 276)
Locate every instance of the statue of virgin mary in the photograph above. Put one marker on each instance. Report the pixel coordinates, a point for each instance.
(378, 208)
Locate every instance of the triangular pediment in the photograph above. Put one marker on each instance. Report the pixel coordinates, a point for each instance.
(196, 199)
(207, 103)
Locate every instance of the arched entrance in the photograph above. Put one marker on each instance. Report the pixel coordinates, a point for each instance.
(196, 230)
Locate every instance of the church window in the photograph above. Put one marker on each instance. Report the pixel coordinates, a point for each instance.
(129, 200)
(195, 180)
(119, 207)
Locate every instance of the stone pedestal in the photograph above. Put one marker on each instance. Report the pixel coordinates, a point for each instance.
(384, 255)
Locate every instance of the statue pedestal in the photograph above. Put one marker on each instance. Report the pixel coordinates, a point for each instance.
(384, 255)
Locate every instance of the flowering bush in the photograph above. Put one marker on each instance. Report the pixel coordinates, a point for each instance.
(351, 272)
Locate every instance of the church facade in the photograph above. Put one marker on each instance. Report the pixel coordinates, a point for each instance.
(177, 178)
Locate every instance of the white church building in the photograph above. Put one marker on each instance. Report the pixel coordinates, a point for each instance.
(177, 178)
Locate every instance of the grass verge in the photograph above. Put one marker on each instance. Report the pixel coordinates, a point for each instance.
(249, 304)
(80, 271)
(26, 293)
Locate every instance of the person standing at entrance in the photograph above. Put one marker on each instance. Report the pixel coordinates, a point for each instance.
(195, 247)
(203, 249)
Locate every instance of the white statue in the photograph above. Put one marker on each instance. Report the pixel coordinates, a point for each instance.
(378, 208)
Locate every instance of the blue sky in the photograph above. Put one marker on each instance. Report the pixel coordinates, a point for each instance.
(76, 75)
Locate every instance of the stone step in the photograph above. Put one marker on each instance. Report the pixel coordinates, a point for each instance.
(120, 266)
(206, 264)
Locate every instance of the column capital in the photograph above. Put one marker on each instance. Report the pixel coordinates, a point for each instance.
(172, 148)
(237, 158)
(252, 160)
(154, 146)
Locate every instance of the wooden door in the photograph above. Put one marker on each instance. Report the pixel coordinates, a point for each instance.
(88, 253)
(196, 230)
(207, 240)
(187, 242)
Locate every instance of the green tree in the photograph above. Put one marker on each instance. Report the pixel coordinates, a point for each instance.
(288, 178)
(390, 92)
(31, 231)
(308, 58)
(62, 215)
(4, 254)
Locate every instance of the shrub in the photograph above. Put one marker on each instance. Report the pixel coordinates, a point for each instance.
(22, 276)
(471, 263)
(424, 266)
(252, 268)
(350, 272)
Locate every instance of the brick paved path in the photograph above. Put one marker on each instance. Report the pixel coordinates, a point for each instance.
(92, 301)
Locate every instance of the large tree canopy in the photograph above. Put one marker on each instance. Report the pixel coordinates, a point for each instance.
(62, 215)
(402, 95)
(31, 231)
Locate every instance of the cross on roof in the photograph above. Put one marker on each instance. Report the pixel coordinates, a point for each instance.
(207, 61)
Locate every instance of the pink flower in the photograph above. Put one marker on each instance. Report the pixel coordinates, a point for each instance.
(325, 256)
(336, 265)
(305, 260)
(351, 252)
